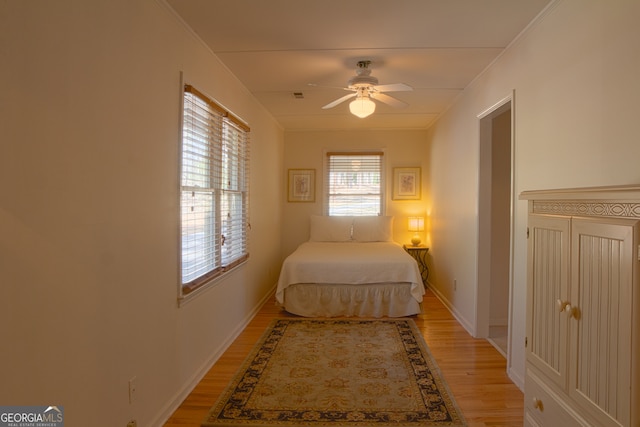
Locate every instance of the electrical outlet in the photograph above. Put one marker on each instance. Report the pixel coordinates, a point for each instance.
(132, 423)
(133, 388)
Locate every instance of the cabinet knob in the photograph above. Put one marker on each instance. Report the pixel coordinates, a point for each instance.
(573, 312)
(566, 306)
(537, 403)
(562, 305)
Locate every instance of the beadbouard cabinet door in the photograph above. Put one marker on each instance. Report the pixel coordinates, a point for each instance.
(548, 295)
(603, 278)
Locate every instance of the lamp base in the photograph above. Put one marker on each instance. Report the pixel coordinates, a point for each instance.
(415, 240)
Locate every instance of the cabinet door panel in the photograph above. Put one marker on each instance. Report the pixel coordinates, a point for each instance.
(600, 329)
(548, 275)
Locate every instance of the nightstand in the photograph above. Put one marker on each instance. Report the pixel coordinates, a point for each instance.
(419, 253)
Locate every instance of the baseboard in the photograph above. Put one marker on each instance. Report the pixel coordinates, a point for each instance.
(498, 321)
(497, 347)
(182, 394)
(516, 378)
(468, 326)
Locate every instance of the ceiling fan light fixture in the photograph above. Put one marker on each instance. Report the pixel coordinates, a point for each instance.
(364, 87)
(362, 107)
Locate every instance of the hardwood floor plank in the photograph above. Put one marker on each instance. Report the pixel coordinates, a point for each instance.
(474, 370)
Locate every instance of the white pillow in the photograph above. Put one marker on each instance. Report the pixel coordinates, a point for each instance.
(330, 228)
(373, 228)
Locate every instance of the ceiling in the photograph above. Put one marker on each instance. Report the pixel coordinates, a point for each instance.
(279, 47)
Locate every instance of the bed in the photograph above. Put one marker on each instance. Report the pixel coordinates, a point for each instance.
(350, 267)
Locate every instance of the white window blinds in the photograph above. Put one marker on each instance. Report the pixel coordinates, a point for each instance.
(214, 190)
(354, 184)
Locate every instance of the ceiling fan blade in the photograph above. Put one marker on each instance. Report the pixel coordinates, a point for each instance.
(395, 87)
(329, 87)
(388, 100)
(338, 101)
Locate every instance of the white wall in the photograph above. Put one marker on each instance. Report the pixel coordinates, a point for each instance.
(306, 150)
(89, 119)
(575, 75)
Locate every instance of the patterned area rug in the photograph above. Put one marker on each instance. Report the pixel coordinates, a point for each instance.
(331, 372)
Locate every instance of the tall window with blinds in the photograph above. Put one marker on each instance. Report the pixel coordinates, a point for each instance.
(354, 184)
(214, 193)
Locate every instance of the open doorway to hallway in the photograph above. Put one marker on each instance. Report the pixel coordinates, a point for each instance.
(494, 225)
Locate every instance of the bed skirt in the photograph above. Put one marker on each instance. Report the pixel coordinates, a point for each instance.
(334, 300)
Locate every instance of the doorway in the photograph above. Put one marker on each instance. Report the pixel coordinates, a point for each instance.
(495, 201)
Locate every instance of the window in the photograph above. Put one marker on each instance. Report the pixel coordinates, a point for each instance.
(214, 194)
(354, 184)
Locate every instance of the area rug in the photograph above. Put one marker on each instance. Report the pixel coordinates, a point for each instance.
(338, 372)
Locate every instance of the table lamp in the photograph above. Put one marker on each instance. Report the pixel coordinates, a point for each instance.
(416, 224)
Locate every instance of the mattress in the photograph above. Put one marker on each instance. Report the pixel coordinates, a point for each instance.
(338, 269)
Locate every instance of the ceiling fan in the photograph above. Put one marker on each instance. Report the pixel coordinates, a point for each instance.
(365, 89)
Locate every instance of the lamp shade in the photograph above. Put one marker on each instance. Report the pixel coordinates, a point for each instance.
(416, 223)
(362, 106)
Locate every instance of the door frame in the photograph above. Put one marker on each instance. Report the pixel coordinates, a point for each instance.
(483, 285)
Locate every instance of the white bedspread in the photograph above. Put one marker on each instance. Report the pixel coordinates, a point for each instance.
(350, 263)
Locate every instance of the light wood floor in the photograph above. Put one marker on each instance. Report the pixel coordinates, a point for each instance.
(474, 370)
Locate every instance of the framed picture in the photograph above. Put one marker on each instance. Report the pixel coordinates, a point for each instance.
(406, 184)
(302, 185)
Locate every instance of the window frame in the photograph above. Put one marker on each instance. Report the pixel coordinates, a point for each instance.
(327, 187)
(224, 156)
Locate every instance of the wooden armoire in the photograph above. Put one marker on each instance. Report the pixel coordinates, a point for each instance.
(583, 307)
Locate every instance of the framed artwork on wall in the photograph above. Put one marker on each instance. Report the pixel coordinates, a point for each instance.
(406, 184)
(302, 185)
